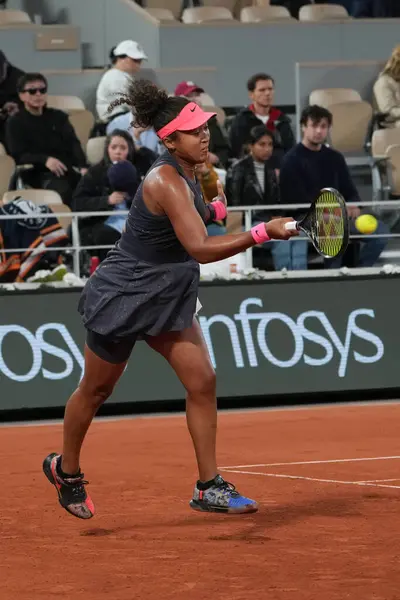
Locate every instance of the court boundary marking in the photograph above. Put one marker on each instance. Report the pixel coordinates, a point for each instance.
(303, 478)
(312, 462)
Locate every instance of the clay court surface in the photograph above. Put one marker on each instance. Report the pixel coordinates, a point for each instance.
(328, 528)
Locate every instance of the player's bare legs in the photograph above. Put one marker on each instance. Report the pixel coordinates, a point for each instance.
(63, 471)
(187, 354)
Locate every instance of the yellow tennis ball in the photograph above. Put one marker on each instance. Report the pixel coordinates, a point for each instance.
(366, 224)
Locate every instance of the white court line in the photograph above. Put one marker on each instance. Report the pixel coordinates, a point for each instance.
(279, 475)
(312, 462)
(377, 480)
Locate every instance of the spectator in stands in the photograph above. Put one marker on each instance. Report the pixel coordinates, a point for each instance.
(44, 137)
(252, 180)
(375, 8)
(311, 166)
(95, 192)
(126, 60)
(141, 136)
(387, 90)
(219, 146)
(9, 99)
(261, 88)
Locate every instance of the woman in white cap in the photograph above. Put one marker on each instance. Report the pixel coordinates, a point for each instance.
(126, 60)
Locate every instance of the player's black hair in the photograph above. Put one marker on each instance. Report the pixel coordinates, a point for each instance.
(150, 105)
(254, 79)
(316, 114)
(259, 131)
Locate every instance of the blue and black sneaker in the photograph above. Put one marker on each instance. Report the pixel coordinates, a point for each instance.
(219, 495)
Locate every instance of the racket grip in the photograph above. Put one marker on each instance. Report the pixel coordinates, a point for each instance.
(291, 226)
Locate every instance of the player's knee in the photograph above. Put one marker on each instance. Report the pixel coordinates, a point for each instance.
(204, 383)
(96, 393)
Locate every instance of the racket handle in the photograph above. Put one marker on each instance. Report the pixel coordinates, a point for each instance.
(291, 226)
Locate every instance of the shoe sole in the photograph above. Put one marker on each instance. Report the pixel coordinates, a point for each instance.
(47, 470)
(205, 507)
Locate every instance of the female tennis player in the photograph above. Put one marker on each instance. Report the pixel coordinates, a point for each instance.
(147, 289)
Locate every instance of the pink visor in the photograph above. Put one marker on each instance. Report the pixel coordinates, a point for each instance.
(190, 117)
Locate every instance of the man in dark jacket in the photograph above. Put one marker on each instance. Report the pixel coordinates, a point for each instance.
(9, 100)
(45, 138)
(261, 88)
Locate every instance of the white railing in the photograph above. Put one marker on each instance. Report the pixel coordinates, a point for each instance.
(76, 247)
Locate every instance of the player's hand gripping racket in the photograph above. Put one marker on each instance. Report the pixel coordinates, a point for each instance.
(326, 224)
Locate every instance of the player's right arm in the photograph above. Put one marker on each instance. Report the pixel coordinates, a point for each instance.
(166, 192)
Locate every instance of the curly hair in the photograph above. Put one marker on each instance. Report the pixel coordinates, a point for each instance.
(149, 104)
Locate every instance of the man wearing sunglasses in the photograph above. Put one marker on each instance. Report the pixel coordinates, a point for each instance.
(44, 137)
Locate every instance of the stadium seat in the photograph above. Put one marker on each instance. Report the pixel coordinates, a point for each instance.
(7, 168)
(350, 124)
(82, 121)
(66, 103)
(229, 4)
(323, 12)
(393, 153)
(328, 96)
(262, 3)
(161, 14)
(2, 150)
(262, 14)
(36, 196)
(382, 139)
(175, 6)
(10, 17)
(203, 14)
(95, 149)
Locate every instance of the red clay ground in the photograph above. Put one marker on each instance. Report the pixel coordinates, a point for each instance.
(311, 540)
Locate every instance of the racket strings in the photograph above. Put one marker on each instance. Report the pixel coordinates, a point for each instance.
(328, 224)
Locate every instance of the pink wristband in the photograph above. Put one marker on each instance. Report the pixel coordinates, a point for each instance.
(220, 210)
(259, 233)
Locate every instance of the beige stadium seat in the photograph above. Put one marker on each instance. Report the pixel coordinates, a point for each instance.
(350, 125)
(221, 116)
(393, 153)
(7, 168)
(161, 14)
(323, 12)
(66, 103)
(10, 17)
(2, 150)
(36, 196)
(204, 14)
(82, 121)
(229, 4)
(262, 3)
(326, 97)
(175, 6)
(382, 139)
(95, 149)
(260, 14)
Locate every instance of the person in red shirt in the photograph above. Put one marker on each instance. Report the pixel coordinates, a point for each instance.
(261, 88)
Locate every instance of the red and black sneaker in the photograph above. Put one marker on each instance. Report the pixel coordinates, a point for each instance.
(71, 490)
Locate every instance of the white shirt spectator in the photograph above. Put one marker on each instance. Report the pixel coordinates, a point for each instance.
(126, 59)
(112, 84)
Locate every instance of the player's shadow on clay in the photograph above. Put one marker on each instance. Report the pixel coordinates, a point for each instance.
(256, 526)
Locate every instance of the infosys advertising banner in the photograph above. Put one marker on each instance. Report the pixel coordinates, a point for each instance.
(264, 338)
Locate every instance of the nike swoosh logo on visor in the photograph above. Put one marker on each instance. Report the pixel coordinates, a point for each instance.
(192, 109)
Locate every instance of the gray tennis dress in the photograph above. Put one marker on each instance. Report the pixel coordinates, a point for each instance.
(148, 283)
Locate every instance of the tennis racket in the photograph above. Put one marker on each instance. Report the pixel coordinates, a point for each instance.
(326, 224)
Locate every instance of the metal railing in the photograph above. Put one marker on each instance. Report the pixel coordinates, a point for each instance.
(76, 247)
